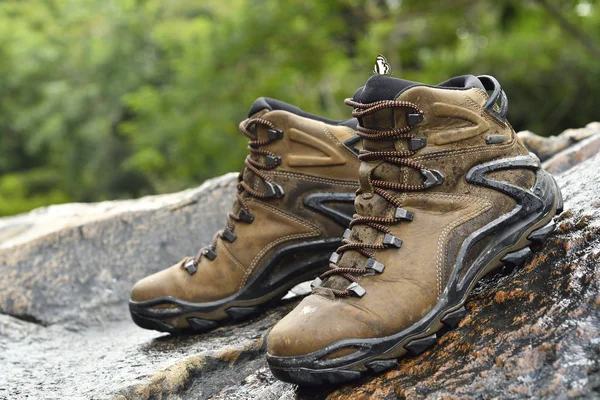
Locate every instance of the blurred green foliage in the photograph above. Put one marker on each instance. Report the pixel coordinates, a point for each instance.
(103, 99)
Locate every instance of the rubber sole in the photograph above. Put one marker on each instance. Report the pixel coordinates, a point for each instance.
(375, 355)
(195, 324)
(187, 317)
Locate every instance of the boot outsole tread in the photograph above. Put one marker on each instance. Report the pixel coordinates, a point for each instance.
(199, 325)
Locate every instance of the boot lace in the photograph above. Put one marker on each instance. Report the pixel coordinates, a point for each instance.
(380, 187)
(255, 147)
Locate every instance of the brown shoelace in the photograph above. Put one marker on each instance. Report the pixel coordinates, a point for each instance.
(255, 148)
(379, 187)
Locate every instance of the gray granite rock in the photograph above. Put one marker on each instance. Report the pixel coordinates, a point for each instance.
(546, 147)
(75, 264)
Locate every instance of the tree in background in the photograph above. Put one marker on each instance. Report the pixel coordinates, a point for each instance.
(114, 99)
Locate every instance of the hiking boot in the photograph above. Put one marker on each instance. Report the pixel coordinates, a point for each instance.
(295, 198)
(448, 193)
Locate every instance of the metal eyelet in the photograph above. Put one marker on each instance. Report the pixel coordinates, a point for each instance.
(417, 143)
(432, 177)
(275, 190)
(316, 283)
(356, 289)
(274, 134)
(190, 266)
(229, 235)
(375, 265)
(272, 160)
(209, 252)
(334, 258)
(245, 216)
(413, 119)
(402, 213)
(494, 139)
(392, 240)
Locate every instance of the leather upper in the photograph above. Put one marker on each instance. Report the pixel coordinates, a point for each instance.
(313, 160)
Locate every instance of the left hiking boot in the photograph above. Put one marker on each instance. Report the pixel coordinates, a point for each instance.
(295, 198)
(448, 194)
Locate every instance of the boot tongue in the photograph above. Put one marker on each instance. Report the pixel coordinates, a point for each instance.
(381, 87)
(269, 104)
(259, 106)
(377, 88)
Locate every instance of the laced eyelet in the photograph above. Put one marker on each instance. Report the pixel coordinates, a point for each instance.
(417, 143)
(273, 160)
(375, 265)
(245, 216)
(402, 213)
(316, 282)
(413, 119)
(334, 258)
(229, 235)
(356, 289)
(275, 190)
(432, 177)
(275, 134)
(190, 266)
(392, 240)
(209, 252)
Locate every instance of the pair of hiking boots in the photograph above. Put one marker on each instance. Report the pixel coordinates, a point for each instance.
(395, 214)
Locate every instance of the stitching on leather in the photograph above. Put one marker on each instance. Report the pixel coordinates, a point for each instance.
(446, 195)
(486, 205)
(235, 261)
(475, 105)
(306, 224)
(269, 247)
(316, 179)
(475, 150)
(337, 142)
(314, 231)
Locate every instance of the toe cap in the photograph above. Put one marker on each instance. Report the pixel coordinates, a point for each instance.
(314, 324)
(160, 284)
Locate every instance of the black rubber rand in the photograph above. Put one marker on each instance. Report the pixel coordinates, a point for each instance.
(540, 203)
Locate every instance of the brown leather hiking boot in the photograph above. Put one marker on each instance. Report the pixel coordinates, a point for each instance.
(448, 193)
(295, 198)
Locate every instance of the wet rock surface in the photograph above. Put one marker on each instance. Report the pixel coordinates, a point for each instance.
(65, 330)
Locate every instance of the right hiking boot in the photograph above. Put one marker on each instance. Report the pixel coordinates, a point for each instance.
(295, 198)
(448, 194)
